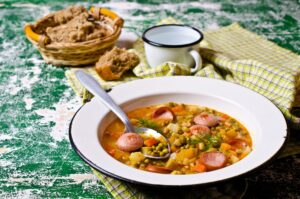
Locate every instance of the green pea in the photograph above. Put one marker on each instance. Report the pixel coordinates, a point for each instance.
(182, 139)
(194, 137)
(185, 129)
(158, 148)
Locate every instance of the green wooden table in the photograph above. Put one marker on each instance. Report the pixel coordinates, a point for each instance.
(36, 103)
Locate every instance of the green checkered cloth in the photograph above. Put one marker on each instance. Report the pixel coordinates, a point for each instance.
(230, 53)
(233, 54)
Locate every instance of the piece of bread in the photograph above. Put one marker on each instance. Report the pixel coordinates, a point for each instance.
(114, 63)
(73, 24)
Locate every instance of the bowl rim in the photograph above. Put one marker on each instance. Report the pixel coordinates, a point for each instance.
(96, 167)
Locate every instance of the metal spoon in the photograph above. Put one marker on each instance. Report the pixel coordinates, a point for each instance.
(94, 87)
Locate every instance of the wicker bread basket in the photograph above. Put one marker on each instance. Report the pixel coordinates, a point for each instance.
(79, 53)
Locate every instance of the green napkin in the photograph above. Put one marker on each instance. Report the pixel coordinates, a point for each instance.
(232, 54)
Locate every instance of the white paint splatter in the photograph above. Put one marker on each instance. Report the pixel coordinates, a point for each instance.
(5, 163)
(4, 150)
(124, 5)
(36, 7)
(79, 178)
(212, 26)
(147, 7)
(61, 115)
(15, 90)
(36, 70)
(20, 180)
(206, 5)
(10, 49)
(28, 81)
(36, 60)
(26, 194)
(244, 2)
(25, 82)
(5, 137)
(12, 89)
(28, 102)
(25, 5)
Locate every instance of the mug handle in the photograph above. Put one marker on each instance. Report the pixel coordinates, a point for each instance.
(198, 60)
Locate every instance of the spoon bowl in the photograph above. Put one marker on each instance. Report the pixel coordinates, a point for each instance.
(94, 87)
(152, 133)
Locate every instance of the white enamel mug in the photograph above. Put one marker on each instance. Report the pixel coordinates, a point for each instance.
(173, 43)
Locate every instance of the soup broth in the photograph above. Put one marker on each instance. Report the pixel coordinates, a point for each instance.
(201, 139)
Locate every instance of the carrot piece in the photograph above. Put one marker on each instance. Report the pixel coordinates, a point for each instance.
(173, 148)
(150, 142)
(187, 134)
(112, 152)
(224, 147)
(224, 117)
(157, 169)
(199, 168)
(178, 108)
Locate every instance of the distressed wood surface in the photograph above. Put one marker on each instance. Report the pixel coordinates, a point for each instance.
(36, 103)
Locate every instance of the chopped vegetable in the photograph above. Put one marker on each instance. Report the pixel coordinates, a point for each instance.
(215, 140)
(224, 147)
(150, 142)
(231, 133)
(178, 108)
(171, 163)
(186, 153)
(158, 169)
(136, 158)
(174, 128)
(199, 168)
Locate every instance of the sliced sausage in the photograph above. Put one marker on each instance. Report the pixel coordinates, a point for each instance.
(157, 169)
(129, 142)
(206, 119)
(199, 129)
(163, 113)
(238, 143)
(213, 160)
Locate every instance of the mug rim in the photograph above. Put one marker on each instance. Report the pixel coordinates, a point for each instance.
(170, 45)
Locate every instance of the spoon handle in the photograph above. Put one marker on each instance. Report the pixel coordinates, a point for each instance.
(94, 87)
